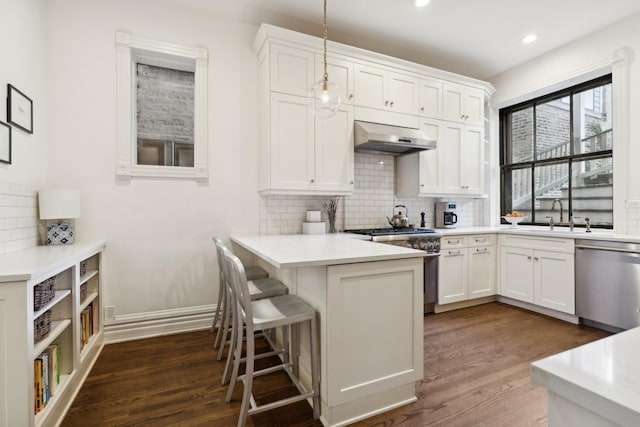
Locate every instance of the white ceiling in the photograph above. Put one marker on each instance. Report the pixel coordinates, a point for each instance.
(471, 37)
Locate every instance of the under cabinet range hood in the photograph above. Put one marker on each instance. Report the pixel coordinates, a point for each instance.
(379, 138)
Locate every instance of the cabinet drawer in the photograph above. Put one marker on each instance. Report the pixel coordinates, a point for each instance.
(453, 242)
(535, 242)
(481, 240)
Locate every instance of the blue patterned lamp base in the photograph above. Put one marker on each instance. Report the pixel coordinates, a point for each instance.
(60, 233)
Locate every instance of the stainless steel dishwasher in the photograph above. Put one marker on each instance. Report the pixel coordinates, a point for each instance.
(608, 283)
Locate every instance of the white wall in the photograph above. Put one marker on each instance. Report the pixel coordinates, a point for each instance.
(23, 65)
(159, 253)
(572, 60)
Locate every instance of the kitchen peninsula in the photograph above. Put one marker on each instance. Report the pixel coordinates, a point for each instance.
(368, 297)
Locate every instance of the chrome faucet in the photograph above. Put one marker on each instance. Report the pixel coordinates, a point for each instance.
(553, 206)
(587, 221)
(550, 222)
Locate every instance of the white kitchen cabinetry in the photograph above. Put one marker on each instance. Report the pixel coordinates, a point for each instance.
(463, 104)
(420, 174)
(455, 167)
(76, 328)
(340, 73)
(299, 153)
(292, 70)
(539, 271)
(467, 268)
(462, 151)
(386, 90)
(431, 98)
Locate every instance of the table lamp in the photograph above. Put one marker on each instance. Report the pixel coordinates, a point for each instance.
(59, 204)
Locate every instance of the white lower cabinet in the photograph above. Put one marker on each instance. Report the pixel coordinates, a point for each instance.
(531, 272)
(467, 268)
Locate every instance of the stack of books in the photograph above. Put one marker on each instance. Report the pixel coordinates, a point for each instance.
(86, 321)
(46, 375)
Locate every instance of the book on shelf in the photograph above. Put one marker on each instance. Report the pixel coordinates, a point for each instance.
(46, 376)
(86, 323)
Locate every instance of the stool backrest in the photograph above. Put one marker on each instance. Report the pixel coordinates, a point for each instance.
(220, 256)
(238, 283)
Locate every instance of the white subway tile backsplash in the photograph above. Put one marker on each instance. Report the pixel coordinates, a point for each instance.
(18, 217)
(372, 201)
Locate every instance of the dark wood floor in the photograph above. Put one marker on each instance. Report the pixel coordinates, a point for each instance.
(476, 374)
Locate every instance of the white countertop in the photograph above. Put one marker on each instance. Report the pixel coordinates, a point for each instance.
(304, 250)
(33, 262)
(603, 376)
(532, 230)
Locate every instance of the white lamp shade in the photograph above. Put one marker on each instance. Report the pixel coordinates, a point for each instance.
(59, 204)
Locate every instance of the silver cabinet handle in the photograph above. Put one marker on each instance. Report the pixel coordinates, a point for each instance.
(453, 242)
(351, 182)
(481, 250)
(536, 258)
(484, 239)
(312, 181)
(386, 103)
(455, 253)
(351, 96)
(528, 256)
(391, 104)
(422, 109)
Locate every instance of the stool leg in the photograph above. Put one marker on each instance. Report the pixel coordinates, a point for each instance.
(248, 378)
(217, 316)
(224, 330)
(237, 356)
(315, 370)
(231, 352)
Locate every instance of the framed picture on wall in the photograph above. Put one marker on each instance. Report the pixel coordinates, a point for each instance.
(5, 143)
(19, 109)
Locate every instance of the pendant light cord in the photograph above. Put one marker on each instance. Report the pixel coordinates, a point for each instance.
(326, 75)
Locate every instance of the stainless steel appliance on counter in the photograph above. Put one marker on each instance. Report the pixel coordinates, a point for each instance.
(416, 238)
(608, 283)
(446, 216)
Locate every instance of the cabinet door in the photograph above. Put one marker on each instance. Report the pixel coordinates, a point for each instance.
(472, 160)
(370, 87)
(334, 152)
(451, 151)
(452, 279)
(291, 143)
(554, 280)
(516, 273)
(431, 98)
(403, 93)
(452, 102)
(341, 73)
(473, 107)
(430, 164)
(482, 272)
(292, 70)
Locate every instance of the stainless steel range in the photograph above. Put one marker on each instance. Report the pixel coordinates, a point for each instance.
(416, 238)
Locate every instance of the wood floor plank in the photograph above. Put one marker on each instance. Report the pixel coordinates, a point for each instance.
(476, 374)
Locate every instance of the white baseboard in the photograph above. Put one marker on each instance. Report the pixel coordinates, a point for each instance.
(542, 310)
(153, 324)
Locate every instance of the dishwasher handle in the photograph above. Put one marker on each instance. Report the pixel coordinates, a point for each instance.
(608, 248)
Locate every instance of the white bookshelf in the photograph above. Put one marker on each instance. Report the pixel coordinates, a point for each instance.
(20, 272)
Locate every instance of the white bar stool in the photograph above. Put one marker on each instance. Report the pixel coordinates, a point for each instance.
(281, 311)
(253, 273)
(258, 289)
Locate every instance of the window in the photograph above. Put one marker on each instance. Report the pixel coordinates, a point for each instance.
(161, 109)
(556, 156)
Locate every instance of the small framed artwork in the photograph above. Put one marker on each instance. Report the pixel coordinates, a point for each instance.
(19, 109)
(5, 143)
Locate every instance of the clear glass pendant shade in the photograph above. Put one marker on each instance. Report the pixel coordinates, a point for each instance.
(326, 99)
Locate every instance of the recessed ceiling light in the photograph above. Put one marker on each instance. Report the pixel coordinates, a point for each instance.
(529, 38)
(420, 3)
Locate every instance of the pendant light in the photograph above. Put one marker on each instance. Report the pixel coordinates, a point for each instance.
(325, 94)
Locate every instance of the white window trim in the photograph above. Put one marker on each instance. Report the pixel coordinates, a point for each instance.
(129, 49)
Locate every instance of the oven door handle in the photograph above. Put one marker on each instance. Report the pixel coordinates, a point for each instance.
(432, 255)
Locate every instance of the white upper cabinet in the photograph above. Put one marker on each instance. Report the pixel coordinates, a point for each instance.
(341, 73)
(386, 90)
(463, 104)
(292, 70)
(334, 154)
(420, 174)
(462, 151)
(292, 149)
(431, 98)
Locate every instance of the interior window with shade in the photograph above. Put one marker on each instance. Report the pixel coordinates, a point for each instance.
(556, 156)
